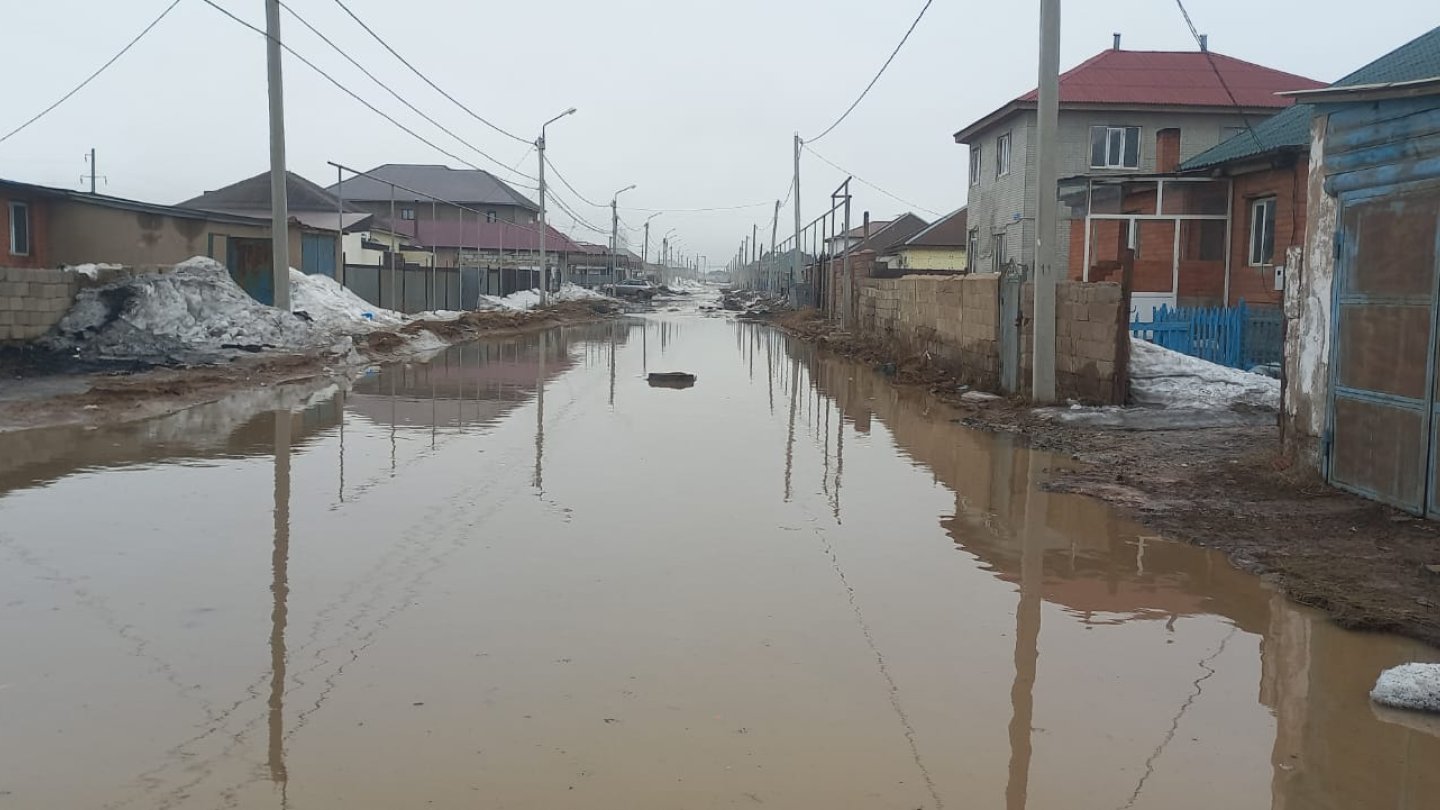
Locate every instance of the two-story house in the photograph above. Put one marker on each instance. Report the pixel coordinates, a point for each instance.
(417, 186)
(1121, 112)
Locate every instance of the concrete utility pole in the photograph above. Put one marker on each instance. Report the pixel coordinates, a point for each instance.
(279, 207)
(755, 253)
(544, 268)
(1042, 382)
(615, 232)
(795, 261)
(92, 171)
(774, 235)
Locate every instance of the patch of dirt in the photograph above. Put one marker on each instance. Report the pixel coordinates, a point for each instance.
(1230, 488)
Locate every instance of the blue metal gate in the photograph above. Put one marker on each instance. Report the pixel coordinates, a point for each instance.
(317, 254)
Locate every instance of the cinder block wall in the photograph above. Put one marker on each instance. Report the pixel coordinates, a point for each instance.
(1091, 342)
(33, 299)
(953, 319)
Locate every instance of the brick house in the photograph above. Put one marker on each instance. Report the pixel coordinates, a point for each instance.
(24, 237)
(1122, 113)
(475, 189)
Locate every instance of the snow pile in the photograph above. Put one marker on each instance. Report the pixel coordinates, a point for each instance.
(91, 271)
(530, 299)
(1409, 686)
(196, 313)
(1169, 379)
(335, 308)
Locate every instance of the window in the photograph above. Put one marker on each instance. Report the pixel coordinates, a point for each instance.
(407, 214)
(998, 254)
(975, 165)
(490, 216)
(1115, 147)
(1262, 232)
(972, 248)
(1002, 155)
(19, 229)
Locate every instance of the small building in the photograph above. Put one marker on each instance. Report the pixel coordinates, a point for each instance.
(1123, 113)
(320, 216)
(937, 248)
(418, 187)
(1361, 309)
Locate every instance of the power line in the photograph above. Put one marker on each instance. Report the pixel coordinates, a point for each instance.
(870, 184)
(396, 95)
(576, 218)
(1209, 57)
(566, 183)
(351, 93)
(697, 210)
(866, 91)
(425, 78)
(92, 76)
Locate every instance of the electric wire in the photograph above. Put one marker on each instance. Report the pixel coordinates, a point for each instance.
(844, 170)
(883, 67)
(351, 93)
(372, 77)
(425, 78)
(81, 86)
(1210, 58)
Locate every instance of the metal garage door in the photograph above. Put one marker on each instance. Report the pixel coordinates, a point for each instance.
(1383, 407)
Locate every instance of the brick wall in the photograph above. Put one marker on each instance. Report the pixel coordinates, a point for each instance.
(955, 319)
(1092, 346)
(1257, 284)
(33, 299)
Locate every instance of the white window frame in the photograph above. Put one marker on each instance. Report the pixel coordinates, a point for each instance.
(1262, 218)
(20, 212)
(1002, 155)
(407, 214)
(976, 164)
(972, 248)
(491, 216)
(1123, 132)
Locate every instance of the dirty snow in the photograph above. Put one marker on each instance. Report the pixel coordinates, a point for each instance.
(335, 308)
(1409, 686)
(1164, 378)
(91, 271)
(530, 299)
(193, 314)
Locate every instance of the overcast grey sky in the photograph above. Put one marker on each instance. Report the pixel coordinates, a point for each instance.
(694, 101)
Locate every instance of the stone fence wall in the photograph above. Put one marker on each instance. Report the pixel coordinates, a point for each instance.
(33, 299)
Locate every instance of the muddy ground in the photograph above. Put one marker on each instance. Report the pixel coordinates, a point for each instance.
(1368, 566)
(46, 389)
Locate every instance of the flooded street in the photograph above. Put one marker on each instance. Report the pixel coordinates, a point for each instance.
(518, 576)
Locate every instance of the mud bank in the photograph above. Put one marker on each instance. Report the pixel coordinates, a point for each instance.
(1229, 488)
(56, 394)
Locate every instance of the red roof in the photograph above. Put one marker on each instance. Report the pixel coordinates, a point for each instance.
(1163, 79)
(1183, 78)
(490, 236)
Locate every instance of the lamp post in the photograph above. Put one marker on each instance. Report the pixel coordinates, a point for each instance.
(544, 268)
(645, 251)
(615, 233)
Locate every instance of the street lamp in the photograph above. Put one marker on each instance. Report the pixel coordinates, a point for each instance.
(544, 268)
(645, 252)
(615, 232)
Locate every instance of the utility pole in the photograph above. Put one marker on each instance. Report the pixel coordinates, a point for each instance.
(755, 252)
(645, 251)
(544, 267)
(279, 206)
(614, 239)
(795, 262)
(774, 235)
(92, 171)
(1042, 382)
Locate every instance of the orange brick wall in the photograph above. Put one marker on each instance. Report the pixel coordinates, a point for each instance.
(39, 233)
(1287, 185)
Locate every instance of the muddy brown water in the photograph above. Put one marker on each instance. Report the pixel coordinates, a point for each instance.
(518, 576)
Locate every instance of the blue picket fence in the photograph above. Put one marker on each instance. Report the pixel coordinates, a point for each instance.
(1238, 336)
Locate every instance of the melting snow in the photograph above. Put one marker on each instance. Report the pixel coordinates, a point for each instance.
(1169, 379)
(1409, 686)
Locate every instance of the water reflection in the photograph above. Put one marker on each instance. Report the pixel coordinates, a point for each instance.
(793, 536)
(1330, 749)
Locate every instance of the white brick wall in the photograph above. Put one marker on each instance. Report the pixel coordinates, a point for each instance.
(32, 300)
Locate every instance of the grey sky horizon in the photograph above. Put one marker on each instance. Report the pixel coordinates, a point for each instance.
(695, 103)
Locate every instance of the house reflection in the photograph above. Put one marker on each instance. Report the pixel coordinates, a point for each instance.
(1331, 749)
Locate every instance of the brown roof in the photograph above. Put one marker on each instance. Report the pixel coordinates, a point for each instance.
(949, 231)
